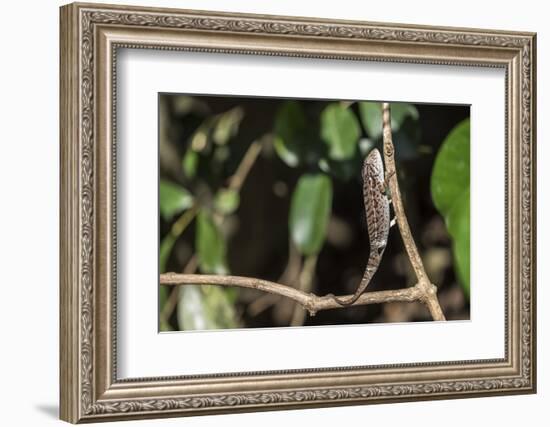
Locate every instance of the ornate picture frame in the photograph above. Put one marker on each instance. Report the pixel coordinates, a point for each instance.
(90, 37)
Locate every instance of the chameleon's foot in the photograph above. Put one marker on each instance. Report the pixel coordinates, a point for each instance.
(387, 178)
(392, 222)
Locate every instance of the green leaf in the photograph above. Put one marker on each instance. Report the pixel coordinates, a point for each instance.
(285, 153)
(205, 307)
(450, 187)
(227, 125)
(173, 199)
(340, 131)
(210, 245)
(371, 116)
(400, 111)
(451, 171)
(458, 224)
(310, 210)
(232, 294)
(226, 201)
(190, 163)
(291, 133)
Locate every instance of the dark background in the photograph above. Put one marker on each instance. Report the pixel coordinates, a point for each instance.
(257, 234)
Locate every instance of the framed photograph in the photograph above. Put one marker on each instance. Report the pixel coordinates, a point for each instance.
(266, 212)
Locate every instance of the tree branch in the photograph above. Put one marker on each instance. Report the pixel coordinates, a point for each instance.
(428, 291)
(311, 302)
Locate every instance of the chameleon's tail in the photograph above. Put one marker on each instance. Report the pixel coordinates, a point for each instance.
(372, 266)
(351, 299)
(347, 301)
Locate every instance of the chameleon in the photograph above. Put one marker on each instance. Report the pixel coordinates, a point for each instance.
(377, 208)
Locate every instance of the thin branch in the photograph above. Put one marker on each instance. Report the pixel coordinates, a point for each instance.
(309, 301)
(179, 226)
(427, 289)
(237, 179)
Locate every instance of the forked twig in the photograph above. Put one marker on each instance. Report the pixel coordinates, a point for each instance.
(423, 291)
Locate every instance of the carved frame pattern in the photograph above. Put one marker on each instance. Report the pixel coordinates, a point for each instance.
(81, 397)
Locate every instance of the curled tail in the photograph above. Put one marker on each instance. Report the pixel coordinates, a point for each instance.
(372, 266)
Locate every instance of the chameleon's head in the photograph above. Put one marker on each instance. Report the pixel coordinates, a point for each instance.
(374, 156)
(373, 160)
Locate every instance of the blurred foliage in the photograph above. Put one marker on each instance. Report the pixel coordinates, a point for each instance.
(173, 199)
(294, 139)
(205, 307)
(210, 245)
(310, 212)
(340, 131)
(451, 194)
(206, 146)
(371, 115)
(226, 201)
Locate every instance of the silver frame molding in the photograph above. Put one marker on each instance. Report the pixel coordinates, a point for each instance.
(90, 36)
